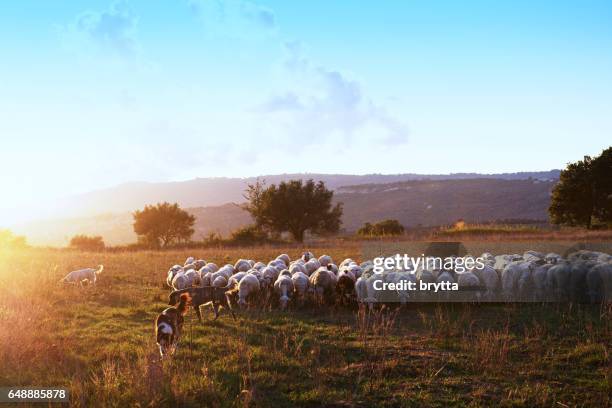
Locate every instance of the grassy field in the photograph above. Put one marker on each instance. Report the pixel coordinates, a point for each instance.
(98, 342)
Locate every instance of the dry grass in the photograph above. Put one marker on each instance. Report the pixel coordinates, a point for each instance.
(98, 341)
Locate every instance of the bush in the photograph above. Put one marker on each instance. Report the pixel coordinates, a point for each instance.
(86, 243)
(383, 228)
(249, 235)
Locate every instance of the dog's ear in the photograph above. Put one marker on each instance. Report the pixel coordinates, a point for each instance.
(186, 297)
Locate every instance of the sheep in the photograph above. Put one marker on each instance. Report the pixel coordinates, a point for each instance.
(552, 258)
(285, 272)
(259, 266)
(172, 273)
(199, 264)
(193, 278)
(219, 282)
(235, 279)
(269, 275)
(578, 291)
(307, 256)
(333, 268)
(361, 290)
(212, 266)
(300, 285)
(180, 281)
(312, 265)
(88, 274)
(189, 261)
(509, 279)
(242, 265)
(345, 287)
(323, 283)
(599, 282)
(297, 267)
(283, 287)
(540, 281)
(285, 258)
(489, 277)
(324, 260)
(470, 282)
(558, 278)
(248, 287)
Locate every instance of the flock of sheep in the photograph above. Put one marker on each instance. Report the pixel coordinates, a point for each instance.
(584, 276)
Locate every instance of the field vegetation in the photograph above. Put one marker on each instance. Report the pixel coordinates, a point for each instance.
(98, 342)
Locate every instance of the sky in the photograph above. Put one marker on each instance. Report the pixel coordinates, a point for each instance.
(98, 93)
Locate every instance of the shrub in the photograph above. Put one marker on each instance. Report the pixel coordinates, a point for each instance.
(87, 243)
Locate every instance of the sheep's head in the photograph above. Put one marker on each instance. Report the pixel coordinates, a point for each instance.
(283, 302)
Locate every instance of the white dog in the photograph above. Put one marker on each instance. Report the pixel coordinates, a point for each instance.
(87, 274)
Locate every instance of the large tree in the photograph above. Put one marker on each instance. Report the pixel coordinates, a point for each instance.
(584, 192)
(295, 207)
(163, 224)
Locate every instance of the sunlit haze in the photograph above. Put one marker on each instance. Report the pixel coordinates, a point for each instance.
(99, 93)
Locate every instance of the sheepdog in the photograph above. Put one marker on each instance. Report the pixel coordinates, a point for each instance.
(169, 325)
(87, 274)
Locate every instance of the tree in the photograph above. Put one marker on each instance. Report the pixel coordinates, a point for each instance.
(86, 243)
(8, 240)
(386, 227)
(163, 224)
(295, 207)
(583, 194)
(602, 186)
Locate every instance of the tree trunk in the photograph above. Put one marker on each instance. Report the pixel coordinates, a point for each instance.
(298, 235)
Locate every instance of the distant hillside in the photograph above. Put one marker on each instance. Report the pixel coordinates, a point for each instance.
(431, 203)
(204, 192)
(413, 203)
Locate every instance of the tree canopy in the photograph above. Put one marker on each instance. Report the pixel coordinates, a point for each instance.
(163, 224)
(295, 207)
(583, 194)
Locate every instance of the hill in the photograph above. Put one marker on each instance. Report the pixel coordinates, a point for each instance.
(413, 203)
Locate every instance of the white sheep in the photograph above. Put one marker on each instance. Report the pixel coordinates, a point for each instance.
(300, 285)
(212, 266)
(324, 260)
(306, 256)
(323, 283)
(283, 287)
(247, 288)
(312, 265)
(242, 265)
(285, 258)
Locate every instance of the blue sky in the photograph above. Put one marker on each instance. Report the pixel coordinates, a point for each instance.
(97, 93)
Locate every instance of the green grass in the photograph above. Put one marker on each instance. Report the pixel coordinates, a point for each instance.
(99, 343)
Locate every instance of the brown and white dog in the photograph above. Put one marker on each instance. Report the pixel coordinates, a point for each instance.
(87, 274)
(200, 296)
(169, 325)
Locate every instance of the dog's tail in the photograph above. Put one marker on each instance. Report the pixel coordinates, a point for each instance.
(100, 269)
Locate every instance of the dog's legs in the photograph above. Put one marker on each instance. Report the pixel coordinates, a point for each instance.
(216, 309)
(229, 306)
(198, 313)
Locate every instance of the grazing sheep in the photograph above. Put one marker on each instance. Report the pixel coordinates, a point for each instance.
(490, 279)
(212, 266)
(235, 279)
(509, 279)
(169, 325)
(345, 288)
(599, 282)
(242, 265)
(307, 256)
(248, 287)
(558, 280)
(285, 258)
(312, 266)
(470, 282)
(283, 287)
(180, 281)
(297, 267)
(259, 266)
(323, 283)
(578, 287)
(219, 282)
(324, 260)
(81, 275)
(189, 261)
(540, 281)
(300, 285)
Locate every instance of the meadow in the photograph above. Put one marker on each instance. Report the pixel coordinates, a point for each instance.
(99, 343)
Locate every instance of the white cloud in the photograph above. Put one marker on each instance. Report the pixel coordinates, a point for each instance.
(328, 104)
(235, 17)
(112, 30)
